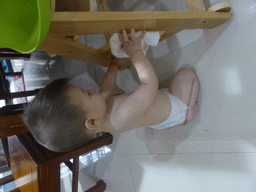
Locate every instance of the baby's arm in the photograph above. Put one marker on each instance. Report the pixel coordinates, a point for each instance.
(109, 81)
(139, 101)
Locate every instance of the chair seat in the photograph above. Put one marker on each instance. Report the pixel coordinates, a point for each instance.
(24, 24)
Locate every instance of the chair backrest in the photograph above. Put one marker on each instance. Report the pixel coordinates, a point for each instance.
(10, 118)
(11, 122)
(10, 115)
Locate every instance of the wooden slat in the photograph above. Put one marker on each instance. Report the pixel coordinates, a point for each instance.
(6, 151)
(91, 6)
(93, 144)
(2, 162)
(72, 49)
(40, 147)
(80, 23)
(53, 6)
(72, 5)
(102, 6)
(59, 157)
(37, 155)
(11, 125)
(19, 94)
(6, 180)
(75, 174)
(105, 5)
(15, 190)
(99, 187)
(195, 5)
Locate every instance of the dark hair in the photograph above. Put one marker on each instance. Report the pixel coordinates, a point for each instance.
(53, 121)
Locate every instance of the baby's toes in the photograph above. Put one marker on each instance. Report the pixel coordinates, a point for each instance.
(196, 107)
(192, 112)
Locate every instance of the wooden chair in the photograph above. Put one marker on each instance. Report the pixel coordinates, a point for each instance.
(77, 17)
(10, 120)
(36, 168)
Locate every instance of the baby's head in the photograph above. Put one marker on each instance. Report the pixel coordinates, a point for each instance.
(63, 116)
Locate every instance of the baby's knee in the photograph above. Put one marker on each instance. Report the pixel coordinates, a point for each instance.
(186, 75)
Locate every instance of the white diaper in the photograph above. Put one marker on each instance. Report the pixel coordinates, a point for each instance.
(178, 112)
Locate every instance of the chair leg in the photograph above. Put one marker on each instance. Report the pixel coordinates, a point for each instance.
(15, 190)
(6, 151)
(75, 174)
(99, 187)
(74, 167)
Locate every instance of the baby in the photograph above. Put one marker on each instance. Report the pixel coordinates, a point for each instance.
(63, 116)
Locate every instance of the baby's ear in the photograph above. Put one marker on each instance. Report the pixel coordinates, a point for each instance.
(91, 124)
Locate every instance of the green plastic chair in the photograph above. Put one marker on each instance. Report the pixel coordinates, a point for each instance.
(24, 24)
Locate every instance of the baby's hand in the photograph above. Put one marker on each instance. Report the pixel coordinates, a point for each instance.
(130, 43)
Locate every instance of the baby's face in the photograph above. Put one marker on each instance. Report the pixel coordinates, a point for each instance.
(91, 102)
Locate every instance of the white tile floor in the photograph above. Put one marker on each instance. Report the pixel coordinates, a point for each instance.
(216, 151)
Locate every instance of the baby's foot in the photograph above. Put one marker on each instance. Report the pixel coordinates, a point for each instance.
(192, 111)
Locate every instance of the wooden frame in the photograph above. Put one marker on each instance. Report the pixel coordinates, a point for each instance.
(37, 169)
(65, 26)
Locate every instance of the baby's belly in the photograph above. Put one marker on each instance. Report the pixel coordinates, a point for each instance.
(158, 112)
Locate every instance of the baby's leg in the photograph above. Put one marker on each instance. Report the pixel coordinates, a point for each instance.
(185, 86)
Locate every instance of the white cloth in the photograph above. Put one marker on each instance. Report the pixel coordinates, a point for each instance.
(151, 38)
